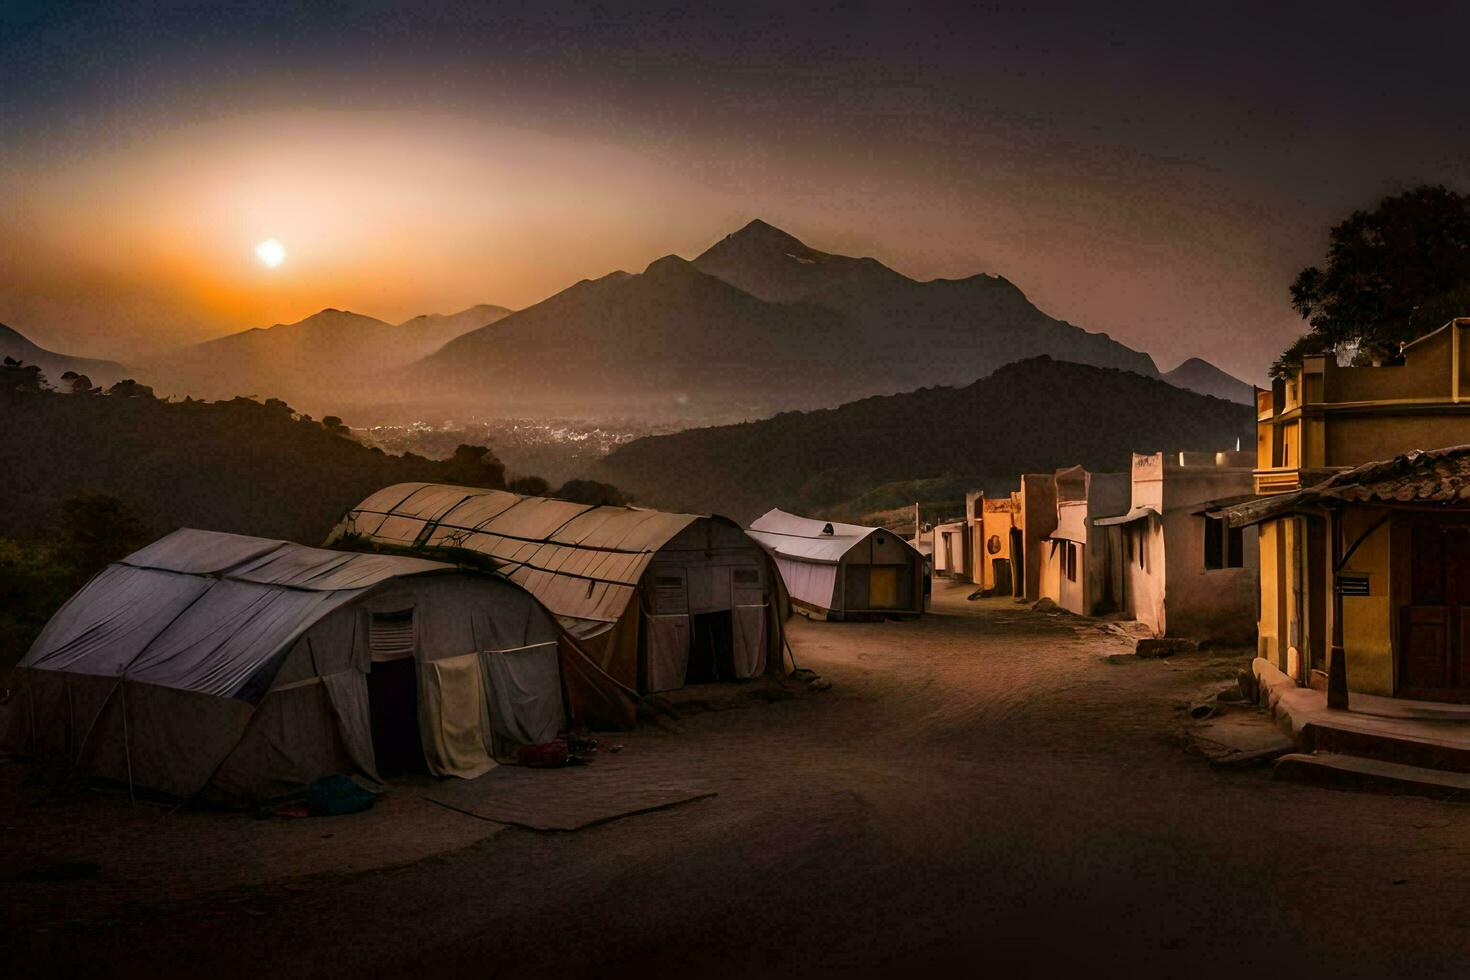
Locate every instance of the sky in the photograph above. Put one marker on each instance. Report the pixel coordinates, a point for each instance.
(1158, 172)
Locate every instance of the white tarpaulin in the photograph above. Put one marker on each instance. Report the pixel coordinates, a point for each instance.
(668, 651)
(749, 648)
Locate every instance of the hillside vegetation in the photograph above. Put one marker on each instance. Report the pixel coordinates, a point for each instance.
(1033, 415)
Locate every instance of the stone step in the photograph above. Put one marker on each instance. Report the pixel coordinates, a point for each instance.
(1342, 771)
(1428, 745)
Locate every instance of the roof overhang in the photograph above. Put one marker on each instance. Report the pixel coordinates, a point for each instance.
(1136, 514)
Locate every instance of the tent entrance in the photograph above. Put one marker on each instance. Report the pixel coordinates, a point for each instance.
(393, 700)
(711, 647)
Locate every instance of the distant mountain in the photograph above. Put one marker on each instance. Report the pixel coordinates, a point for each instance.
(1034, 415)
(758, 324)
(671, 342)
(53, 365)
(947, 331)
(1197, 374)
(438, 329)
(331, 356)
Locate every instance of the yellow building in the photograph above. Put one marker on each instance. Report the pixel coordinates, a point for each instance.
(1330, 536)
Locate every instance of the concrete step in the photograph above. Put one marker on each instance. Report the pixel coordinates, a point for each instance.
(1426, 744)
(1341, 771)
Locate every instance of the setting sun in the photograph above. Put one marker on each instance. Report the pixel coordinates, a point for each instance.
(271, 252)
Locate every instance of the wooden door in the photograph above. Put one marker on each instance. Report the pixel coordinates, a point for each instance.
(1434, 628)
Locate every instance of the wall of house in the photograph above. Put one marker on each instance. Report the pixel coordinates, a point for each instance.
(1217, 604)
(1367, 621)
(997, 521)
(1143, 578)
(1038, 519)
(1354, 439)
(1269, 645)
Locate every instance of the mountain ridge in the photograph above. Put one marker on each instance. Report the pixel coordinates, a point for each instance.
(1032, 415)
(53, 365)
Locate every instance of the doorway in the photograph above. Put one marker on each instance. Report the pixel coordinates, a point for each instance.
(1018, 563)
(393, 702)
(711, 648)
(1434, 655)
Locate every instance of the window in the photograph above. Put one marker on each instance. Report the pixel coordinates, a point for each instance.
(1071, 561)
(390, 635)
(1224, 545)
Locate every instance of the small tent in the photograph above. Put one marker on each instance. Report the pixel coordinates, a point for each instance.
(657, 600)
(246, 668)
(843, 571)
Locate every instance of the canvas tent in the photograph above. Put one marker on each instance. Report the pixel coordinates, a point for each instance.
(657, 600)
(249, 667)
(843, 571)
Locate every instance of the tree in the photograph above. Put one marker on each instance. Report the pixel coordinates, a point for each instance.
(474, 466)
(1392, 274)
(530, 486)
(97, 530)
(18, 379)
(591, 492)
(128, 388)
(79, 384)
(334, 425)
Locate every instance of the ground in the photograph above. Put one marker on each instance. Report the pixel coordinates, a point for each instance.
(988, 787)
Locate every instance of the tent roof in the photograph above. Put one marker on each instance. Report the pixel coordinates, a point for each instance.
(204, 611)
(582, 561)
(802, 538)
(1436, 477)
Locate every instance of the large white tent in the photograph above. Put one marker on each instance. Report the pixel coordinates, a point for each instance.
(249, 667)
(842, 571)
(657, 600)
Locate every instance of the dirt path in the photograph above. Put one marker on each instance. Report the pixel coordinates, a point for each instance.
(981, 789)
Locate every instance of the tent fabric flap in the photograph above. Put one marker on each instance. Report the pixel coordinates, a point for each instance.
(523, 689)
(749, 647)
(453, 716)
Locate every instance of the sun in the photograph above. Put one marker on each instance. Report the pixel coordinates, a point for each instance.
(271, 253)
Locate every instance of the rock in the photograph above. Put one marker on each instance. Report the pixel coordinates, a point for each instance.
(820, 684)
(1250, 690)
(1201, 711)
(1044, 605)
(1162, 647)
(803, 674)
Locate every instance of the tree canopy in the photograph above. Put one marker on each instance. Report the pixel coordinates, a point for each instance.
(1392, 274)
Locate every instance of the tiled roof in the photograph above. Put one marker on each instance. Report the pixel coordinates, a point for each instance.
(1435, 476)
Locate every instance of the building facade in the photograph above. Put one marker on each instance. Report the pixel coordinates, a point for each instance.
(1187, 573)
(1324, 419)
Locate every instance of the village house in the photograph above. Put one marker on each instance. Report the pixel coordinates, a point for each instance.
(1352, 560)
(1083, 563)
(995, 544)
(1035, 520)
(1187, 573)
(949, 549)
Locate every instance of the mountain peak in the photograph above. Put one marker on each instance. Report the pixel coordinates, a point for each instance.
(765, 235)
(671, 265)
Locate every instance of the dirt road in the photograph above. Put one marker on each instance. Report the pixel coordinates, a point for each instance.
(982, 789)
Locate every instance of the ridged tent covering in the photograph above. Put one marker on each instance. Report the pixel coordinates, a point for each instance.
(834, 570)
(249, 667)
(589, 565)
(207, 612)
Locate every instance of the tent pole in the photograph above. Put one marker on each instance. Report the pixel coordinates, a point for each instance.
(127, 751)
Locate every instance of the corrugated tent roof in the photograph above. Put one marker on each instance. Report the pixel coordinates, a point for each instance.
(582, 561)
(804, 538)
(205, 611)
